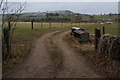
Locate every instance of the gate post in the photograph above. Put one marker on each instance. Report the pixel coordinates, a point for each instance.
(103, 30)
(6, 41)
(97, 37)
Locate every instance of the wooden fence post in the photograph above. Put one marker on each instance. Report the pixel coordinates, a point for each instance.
(32, 24)
(103, 30)
(6, 39)
(9, 26)
(97, 37)
(9, 44)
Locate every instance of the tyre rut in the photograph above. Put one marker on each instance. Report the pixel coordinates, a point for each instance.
(74, 65)
(37, 65)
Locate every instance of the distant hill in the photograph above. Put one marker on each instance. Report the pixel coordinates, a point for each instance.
(43, 14)
(66, 15)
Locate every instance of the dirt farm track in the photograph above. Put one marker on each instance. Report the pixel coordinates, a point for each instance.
(39, 65)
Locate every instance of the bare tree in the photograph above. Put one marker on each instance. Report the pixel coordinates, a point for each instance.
(11, 12)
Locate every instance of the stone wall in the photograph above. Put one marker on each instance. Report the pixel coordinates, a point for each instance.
(109, 46)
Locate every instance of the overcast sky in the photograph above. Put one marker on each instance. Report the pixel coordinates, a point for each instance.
(66, 0)
(78, 6)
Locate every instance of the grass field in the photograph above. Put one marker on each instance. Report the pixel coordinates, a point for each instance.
(111, 29)
(24, 37)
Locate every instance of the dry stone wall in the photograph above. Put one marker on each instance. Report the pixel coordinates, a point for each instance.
(109, 46)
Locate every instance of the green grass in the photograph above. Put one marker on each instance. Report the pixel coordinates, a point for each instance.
(24, 36)
(106, 17)
(111, 29)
